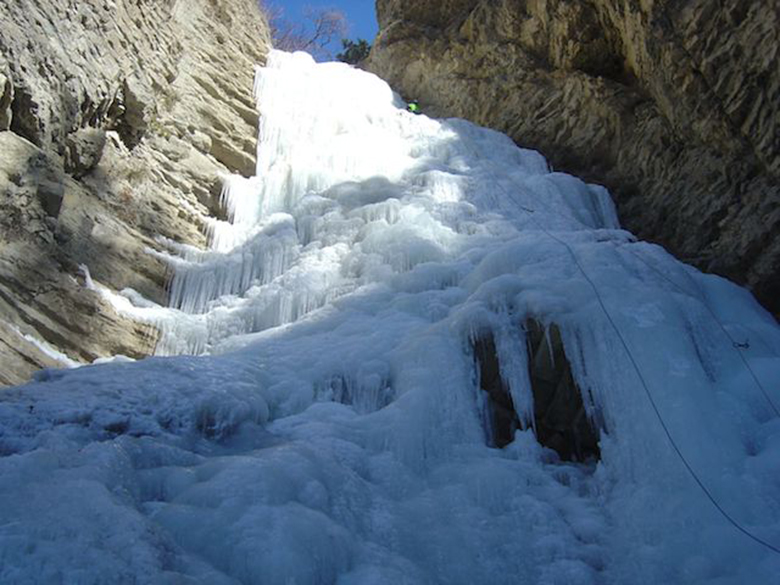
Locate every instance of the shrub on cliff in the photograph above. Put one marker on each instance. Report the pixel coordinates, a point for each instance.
(354, 51)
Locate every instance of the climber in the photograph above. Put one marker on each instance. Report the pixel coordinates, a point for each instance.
(413, 107)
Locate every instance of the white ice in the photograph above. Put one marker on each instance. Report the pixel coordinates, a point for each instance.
(325, 426)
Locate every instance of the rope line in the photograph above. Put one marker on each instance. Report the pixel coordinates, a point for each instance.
(646, 388)
(730, 519)
(735, 344)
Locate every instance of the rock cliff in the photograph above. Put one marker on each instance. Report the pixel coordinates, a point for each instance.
(117, 118)
(674, 105)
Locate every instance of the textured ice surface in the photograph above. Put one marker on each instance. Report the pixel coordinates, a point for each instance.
(329, 429)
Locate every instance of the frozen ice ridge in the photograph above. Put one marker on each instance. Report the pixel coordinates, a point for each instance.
(360, 365)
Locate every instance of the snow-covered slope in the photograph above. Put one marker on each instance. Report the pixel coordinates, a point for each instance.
(335, 431)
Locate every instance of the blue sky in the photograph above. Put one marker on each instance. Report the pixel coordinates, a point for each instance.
(360, 13)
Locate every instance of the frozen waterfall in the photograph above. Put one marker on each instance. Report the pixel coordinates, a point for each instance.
(325, 415)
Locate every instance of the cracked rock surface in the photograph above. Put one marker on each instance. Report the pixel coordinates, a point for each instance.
(117, 120)
(674, 105)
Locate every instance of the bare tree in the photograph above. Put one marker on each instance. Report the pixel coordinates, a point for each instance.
(313, 34)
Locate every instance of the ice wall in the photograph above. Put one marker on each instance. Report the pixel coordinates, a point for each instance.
(350, 190)
(334, 432)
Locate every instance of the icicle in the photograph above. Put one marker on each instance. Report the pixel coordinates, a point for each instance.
(84, 270)
(548, 342)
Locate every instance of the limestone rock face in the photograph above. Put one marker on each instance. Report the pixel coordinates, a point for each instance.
(117, 120)
(83, 150)
(6, 96)
(673, 105)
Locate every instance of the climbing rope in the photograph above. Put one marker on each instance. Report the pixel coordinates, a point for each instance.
(730, 519)
(646, 388)
(734, 343)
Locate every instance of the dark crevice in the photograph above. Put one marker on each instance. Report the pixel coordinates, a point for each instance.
(560, 417)
(501, 414)
(24, 120)
(561, 421)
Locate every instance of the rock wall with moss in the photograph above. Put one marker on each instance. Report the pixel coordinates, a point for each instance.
(117, 119)
(674, 105)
